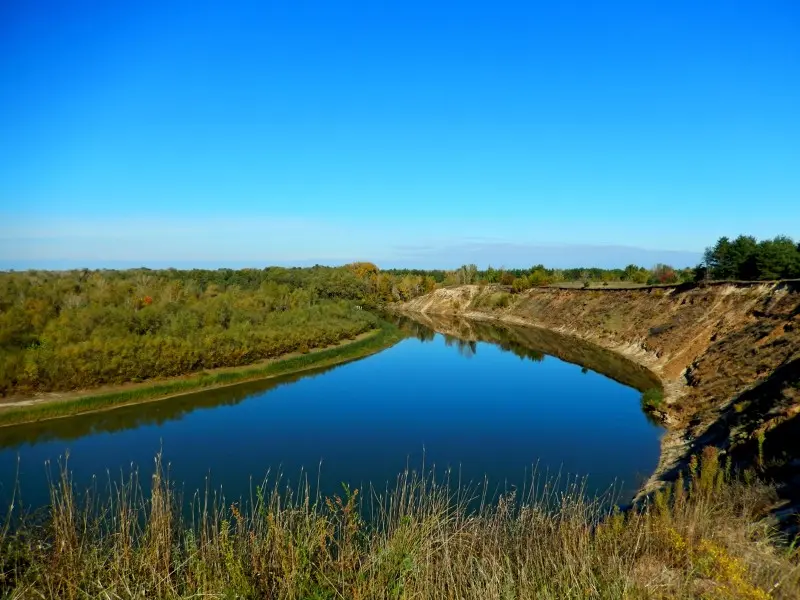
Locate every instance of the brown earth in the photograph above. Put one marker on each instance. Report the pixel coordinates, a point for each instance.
(727, 356)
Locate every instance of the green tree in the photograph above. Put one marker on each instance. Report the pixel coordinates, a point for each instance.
(777, 259)
(630, 272)
(732, 260)
(539, 277)
(745, 258)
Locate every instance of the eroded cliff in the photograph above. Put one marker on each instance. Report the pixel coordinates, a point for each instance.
(727, 356)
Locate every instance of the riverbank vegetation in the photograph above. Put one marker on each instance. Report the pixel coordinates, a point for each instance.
(372, 342)
(702, 538)
(82, 329)
(652, 399)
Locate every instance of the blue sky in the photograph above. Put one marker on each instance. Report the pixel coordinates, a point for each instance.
(408, 133)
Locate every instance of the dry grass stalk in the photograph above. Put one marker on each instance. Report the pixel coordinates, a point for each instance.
(425, 538)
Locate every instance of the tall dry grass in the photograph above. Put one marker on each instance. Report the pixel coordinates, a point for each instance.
(425, 538)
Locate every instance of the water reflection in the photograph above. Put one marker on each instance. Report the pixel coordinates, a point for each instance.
(156, 412)
(527, 343)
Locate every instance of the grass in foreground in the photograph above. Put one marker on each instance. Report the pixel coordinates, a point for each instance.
(379, 339)
(700, 540)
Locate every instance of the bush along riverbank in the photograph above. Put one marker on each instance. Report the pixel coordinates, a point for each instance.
(703, 537)
(62, 331)
(368, 343)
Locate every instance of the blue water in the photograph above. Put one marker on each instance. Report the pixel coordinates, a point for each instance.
(475, 408)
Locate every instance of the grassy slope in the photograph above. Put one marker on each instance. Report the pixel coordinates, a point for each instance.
(373, 342)
(420, 540)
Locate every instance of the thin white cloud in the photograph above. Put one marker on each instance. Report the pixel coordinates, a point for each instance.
(287, 240)
(151, 238)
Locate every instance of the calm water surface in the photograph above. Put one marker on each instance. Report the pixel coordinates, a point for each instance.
(485, 408)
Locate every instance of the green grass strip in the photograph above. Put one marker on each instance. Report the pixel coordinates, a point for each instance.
(385, 336)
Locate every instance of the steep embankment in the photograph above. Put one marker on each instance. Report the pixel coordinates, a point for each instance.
(728, 356)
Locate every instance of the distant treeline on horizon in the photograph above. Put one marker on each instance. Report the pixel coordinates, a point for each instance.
(743, 258)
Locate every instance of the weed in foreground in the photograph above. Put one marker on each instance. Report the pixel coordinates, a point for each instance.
(425, 538)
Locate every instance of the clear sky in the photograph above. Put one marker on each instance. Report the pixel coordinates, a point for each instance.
(419, 133)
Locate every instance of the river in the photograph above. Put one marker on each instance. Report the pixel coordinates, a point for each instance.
(490, 404)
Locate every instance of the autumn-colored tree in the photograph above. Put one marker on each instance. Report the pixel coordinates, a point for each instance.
(363, 270)
(663, 274)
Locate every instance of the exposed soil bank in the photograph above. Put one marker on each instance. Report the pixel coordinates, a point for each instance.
(728, 358)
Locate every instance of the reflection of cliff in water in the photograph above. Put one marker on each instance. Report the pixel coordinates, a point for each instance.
(461, 338)
(155, 412)
(531, 343)
(411, 328)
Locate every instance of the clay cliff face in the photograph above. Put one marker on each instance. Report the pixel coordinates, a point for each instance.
(727, 355)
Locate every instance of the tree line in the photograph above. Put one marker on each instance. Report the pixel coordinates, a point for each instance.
(747, 259)
(519, 279)
(744, 258)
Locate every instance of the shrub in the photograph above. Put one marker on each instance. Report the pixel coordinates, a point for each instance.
(519, 284)
(104, 335)
(507, 278)
(501, 300)
(653, 399)
(492, 301)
